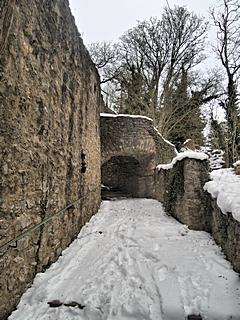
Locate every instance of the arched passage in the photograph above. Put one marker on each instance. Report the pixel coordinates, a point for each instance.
(131, 148)
(122, 173)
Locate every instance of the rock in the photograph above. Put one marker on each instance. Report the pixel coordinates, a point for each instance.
(5, 169)
(194, 317)
(55, 304)
(74, 304)
(237, 168)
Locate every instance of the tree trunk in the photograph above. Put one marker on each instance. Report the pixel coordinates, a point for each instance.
(232, 120)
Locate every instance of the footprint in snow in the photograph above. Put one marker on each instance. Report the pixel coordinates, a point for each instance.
(162, 273)
(156, 247)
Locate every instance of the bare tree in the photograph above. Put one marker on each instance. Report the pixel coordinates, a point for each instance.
(186, 33)
(227, 21)
(105, 55)
(181, 99)
(102, 53)
(148, 70)
(157, 50)
(182, 117)
(144, 52)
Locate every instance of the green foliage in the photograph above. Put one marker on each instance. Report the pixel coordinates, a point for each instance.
(182, 113)
(218, 134)
(175, 187)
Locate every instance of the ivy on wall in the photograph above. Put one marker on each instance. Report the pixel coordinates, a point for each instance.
(175, 187)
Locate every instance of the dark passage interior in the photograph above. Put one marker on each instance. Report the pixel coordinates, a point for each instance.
(122, 174)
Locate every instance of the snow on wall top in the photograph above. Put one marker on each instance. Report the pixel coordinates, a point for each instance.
(168, 142)
(237, 163)
(110, 115)
(183, 155)
(225, 187)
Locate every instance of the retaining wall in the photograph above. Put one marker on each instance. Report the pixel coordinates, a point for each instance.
(180, 189)
(49, 137)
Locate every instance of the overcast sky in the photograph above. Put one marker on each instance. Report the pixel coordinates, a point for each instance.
(107, 20)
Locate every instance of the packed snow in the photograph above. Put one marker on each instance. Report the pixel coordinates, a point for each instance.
(225, 187)
(182, 155)
(112, 115)
(133, 262)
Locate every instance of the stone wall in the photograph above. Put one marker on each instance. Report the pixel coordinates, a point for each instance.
(49, 137)
(134, 136)
(237, 168)
(226, 232)
(131, 149)
(180, 189)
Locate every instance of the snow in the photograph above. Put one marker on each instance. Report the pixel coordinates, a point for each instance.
(216, 157)
(133, 262)
(237, 163)
(167, 141)
(110, 115)
(183, 155)
(186, 141)
(225, 187)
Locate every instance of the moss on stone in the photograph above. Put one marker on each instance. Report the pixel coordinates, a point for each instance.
(175, 187)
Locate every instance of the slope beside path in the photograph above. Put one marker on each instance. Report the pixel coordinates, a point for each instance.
(132, 261)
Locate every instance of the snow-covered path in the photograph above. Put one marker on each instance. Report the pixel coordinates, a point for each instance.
(134, 262)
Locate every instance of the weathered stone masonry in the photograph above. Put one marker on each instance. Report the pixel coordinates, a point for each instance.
(49, 137)
(131, 149)
(180, 189)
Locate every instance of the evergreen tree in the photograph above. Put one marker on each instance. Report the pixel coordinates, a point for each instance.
(182, 114)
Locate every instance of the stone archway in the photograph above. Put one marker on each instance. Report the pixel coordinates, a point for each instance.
(131, 148)
(130, 175)
(122, 173)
